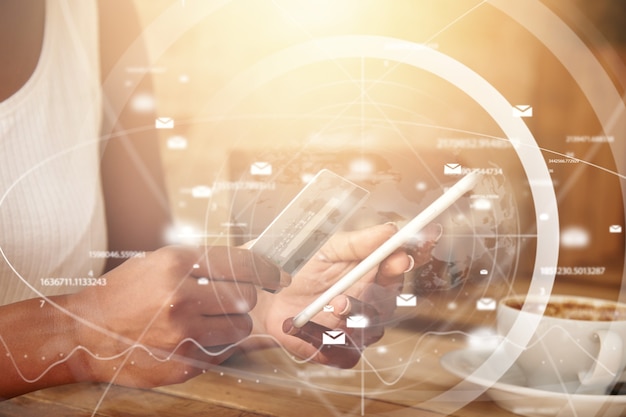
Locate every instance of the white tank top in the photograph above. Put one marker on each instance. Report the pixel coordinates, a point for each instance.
(51, 208)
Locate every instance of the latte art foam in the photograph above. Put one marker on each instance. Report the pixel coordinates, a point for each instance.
(576, 310)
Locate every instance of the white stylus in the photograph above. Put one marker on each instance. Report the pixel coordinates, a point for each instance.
(403, 235)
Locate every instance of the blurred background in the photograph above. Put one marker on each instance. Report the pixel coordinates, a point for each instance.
(254, 97)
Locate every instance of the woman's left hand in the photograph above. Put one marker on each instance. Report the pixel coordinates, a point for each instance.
(373, 298)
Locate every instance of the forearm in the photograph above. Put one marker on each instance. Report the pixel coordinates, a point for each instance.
(37, 347)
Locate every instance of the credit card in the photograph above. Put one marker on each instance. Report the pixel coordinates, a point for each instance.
(309, 220)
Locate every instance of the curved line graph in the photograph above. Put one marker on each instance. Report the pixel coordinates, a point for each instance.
(377, 372)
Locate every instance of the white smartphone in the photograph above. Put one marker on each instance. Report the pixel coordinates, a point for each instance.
(436, 208)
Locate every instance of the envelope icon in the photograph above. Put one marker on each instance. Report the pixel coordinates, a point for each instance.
(486, 304)
(615, 228)
(406, 300)
(357, 322)
(177, 142)
(333, 337)
(328, 309)
(522, 110)
(261, 168)
(452, 169)
(164, 123)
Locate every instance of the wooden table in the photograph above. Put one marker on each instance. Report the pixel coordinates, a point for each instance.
(269, 383)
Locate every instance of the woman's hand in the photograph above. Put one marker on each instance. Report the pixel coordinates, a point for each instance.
(373, 297)
(142, 325)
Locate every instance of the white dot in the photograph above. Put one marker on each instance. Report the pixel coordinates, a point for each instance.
(306, 178)
(143, 103)
(361, 168)
(481, 204)
(575, 237)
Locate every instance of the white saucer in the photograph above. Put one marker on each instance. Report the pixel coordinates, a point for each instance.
(510, 392)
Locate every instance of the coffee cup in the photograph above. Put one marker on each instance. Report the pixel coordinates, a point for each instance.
(565, 343)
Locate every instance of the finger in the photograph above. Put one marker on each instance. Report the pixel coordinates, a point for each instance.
(431, 233)
(391, 270)
(422, 244)
(344, 355)
(345, 306)
(207, 297)
(238, 264)
(416, 252)
(356, 245)
(362, 320)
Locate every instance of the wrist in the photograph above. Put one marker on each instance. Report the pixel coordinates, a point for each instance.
(73, 323)
(38, 347)
(259, 337)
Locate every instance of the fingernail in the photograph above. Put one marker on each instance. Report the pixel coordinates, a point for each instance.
(289, 328)
(285, 279)
(394, 224)
(440, 227)
(411, 263)
(322, 256)
(347, 308)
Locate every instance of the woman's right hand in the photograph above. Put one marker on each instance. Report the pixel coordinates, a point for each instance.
(141, 325)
